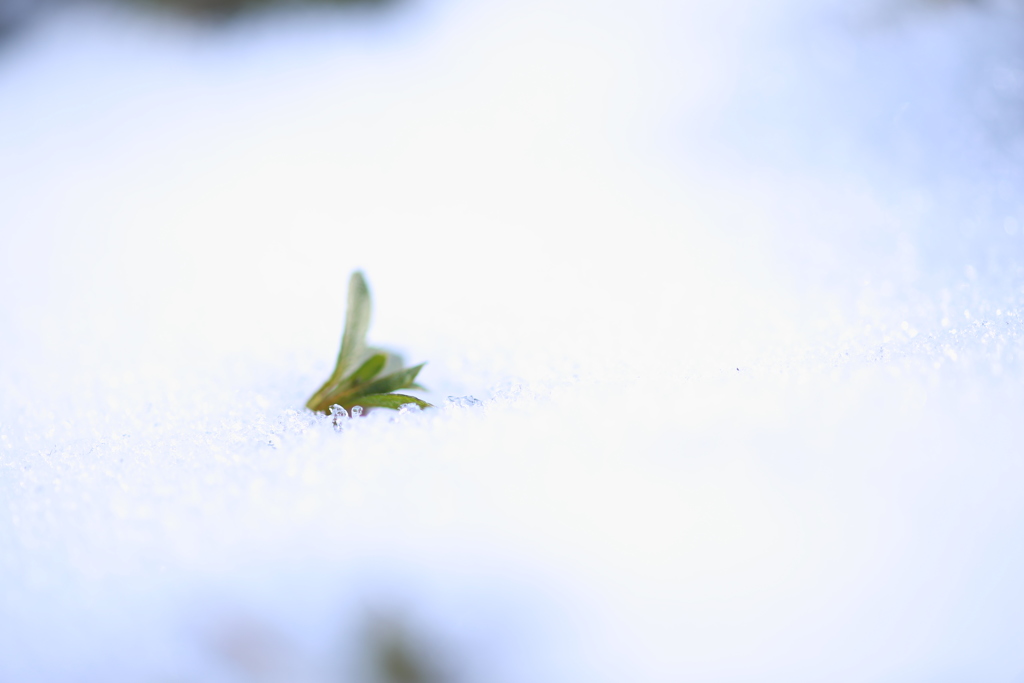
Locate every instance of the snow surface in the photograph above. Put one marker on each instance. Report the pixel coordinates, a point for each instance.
(738, 286)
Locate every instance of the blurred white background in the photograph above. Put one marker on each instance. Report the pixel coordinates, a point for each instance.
(738, 285)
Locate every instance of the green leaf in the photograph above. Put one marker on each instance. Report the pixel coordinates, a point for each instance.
(395, 361)
(353, 341)
(318, 401)
(364, 375)
(344, 395)
(357, 322)
(368, 370)
(392, 401)
(403, 379)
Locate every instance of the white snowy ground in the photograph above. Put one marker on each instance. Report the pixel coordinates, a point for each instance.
(739, 285)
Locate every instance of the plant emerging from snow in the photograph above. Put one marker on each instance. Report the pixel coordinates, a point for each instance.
(364, 377)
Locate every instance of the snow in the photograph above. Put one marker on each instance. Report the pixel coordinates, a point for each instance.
(736, 287)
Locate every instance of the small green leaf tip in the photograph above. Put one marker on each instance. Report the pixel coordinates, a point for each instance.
(393, 401)
(364, 376)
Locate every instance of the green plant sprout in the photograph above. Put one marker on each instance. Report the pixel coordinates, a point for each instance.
(365, 377)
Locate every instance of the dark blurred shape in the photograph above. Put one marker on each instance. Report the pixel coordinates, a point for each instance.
(222, 9)
(13, 13)
(395, 654)
(16, 13)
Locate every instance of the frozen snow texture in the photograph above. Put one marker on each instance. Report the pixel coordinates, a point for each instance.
(737, 286)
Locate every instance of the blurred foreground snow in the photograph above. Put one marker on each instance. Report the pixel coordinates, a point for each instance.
(739, 285)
